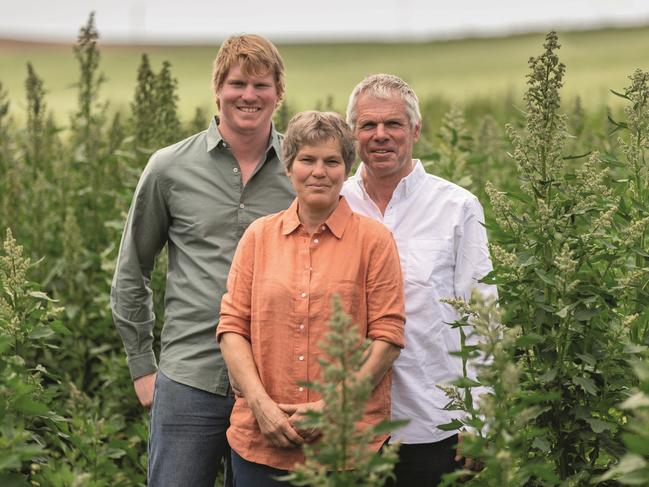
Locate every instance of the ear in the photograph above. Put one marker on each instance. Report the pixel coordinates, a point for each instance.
(417, 131)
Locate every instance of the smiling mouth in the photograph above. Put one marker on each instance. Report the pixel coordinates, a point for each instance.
(249, 109)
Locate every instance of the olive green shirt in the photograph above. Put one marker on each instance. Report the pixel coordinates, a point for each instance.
(190, 197)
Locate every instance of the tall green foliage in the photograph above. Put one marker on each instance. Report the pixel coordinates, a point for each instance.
(342, 458)
(563, 251)
(570, 250)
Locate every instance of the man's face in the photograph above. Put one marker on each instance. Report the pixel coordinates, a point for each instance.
(247, 103)
(385, 136)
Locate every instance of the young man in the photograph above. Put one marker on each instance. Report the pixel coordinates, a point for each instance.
(443, 249)
(197, 197)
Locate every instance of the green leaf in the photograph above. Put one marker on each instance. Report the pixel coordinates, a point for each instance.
(60, 328)
(9, 461)
(529, 339)
(115, 453)
(587, 384)
(541, 443)
(453, 425)
(41, 331)
(585, 314)
(13, 480)
(27, 405)
(464, 382)
(563, 312)
(549, 375)
(598, 426)
(544, 277)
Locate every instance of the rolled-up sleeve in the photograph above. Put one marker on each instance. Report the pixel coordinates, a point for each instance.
(145, 234)
(236, 302)
(385, 302)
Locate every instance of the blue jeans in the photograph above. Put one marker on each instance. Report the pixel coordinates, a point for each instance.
(187, 436)
(249, 474)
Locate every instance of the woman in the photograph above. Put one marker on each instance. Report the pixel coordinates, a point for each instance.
(285, 271)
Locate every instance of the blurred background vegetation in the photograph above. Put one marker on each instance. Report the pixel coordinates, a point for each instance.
(78, 123)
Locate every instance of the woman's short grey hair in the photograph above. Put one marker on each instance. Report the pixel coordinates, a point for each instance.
(383, 86)
(313, 127)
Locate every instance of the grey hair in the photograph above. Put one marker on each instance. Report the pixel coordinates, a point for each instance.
(383, 86)
(312, 127)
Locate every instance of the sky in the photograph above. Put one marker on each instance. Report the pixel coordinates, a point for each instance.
(199, 21)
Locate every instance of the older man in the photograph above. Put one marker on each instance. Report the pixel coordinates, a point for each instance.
(197, 197)
(438, 227)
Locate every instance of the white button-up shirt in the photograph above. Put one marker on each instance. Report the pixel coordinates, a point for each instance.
(442, 242)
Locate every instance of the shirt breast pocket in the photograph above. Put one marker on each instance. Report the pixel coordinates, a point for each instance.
(431, 264)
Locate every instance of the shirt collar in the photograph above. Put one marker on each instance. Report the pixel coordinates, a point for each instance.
(214, 137)
(406, 187)
(337, 221)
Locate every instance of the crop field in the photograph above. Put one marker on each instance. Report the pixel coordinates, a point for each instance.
(458, 70)
(560, 164)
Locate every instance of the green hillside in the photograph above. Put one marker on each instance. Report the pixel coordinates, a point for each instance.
(456, 70)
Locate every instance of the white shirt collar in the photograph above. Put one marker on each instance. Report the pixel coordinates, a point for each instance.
(406, 187)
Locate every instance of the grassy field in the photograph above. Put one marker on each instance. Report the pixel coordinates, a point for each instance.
(456, 70)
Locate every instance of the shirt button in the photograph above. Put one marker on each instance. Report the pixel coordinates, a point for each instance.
(301, 327)
(323, 227)
(242, 206)
(301, 357)
(315, 240)
(235, 170)
(300, 389)
(303, 295)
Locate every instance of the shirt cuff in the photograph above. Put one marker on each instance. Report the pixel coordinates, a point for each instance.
(233, 325)
(390, 331)
(141, 365)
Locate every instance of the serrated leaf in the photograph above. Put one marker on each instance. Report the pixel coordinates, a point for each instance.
(586, 384)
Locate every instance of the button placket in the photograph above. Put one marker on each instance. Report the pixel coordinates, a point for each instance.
(303, 301)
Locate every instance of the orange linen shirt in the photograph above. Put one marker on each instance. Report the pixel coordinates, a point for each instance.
(279, 295)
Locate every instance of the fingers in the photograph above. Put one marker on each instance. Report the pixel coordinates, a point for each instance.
(144, 387)
(284, 436)
(288, 408)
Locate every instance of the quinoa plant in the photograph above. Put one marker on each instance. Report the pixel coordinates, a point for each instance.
(166, 123)
(634, 207)
(143, 106)
(454, 149)
(558, 267)
(342, 457)
(28, 320)
(499, 415)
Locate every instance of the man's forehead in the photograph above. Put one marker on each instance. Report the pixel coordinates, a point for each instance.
(248, 70)
(370, 106)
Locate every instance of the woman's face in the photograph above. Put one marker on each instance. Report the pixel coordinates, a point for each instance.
(318, 173)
